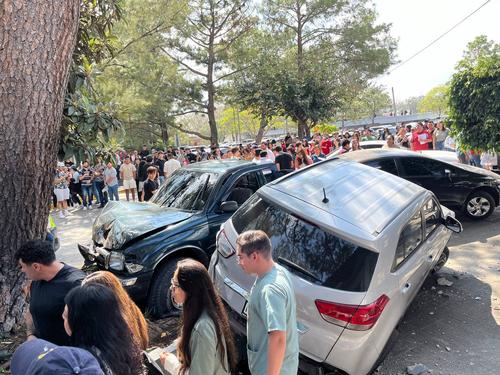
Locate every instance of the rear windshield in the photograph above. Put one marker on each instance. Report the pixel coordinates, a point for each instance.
(306, 250)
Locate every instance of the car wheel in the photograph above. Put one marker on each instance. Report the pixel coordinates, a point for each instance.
(442, 260)
(479, 205)
(160, 302)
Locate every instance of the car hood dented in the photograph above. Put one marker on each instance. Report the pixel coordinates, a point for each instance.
(120, 222)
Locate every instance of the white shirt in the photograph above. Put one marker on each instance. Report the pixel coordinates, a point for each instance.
(269, 154)
(170, 167)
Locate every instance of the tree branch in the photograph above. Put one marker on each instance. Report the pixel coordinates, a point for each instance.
(179, 127)
(188, 112)
(197, 72)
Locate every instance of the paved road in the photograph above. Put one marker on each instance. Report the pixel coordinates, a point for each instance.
(456, 330)
(451, 330)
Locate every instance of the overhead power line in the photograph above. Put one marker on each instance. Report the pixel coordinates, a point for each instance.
(438, 38)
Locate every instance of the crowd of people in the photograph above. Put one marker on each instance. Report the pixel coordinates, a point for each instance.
(87, 324)
(142, 172)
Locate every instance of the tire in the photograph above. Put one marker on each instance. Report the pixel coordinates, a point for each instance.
(442, 260)
(160, 303)
(479, 205)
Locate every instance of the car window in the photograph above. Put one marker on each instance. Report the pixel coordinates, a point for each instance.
(414, 167)
(269, 174)
(409, 240)
(432, 216)
(243, 188)
(305, 249)
(186, 190)
(387, 165)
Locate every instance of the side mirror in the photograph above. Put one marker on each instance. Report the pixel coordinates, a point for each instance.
(229, 206)
(453, 224)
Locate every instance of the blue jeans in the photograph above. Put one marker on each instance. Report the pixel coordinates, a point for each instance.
(87, 195)
(113, 193)
(98, 186)
(439, 145)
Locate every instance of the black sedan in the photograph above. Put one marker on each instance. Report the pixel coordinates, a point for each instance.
(474, 191)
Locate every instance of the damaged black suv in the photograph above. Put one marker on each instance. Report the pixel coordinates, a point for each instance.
(142, 242)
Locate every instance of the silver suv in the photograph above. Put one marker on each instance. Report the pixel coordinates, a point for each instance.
(358, 242)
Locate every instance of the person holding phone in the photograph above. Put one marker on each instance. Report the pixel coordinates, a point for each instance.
(205, 345)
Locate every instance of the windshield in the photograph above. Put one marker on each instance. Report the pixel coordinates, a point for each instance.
(186, 190)
(315, 254)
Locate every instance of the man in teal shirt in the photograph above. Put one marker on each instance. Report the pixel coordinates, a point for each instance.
(272, 341)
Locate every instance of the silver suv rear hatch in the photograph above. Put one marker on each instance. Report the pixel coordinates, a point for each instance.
(324, 268)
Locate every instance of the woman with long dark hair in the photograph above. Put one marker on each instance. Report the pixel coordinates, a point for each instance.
(133, 316)
(94, 321)
(302, 160)
(205, 345)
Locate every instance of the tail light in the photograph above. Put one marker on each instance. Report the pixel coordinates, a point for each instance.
(359, 318)
(223, 246)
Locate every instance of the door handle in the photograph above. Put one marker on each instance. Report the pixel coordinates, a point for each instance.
(406, 288)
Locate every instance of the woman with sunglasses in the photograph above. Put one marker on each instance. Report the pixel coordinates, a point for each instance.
(205, 345)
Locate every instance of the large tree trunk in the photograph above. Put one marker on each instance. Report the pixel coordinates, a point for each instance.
(262, 128)
(303, 129)
(37, 38)
(164, 134)
(211, 95)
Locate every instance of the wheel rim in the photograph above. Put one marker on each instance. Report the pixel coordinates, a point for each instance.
(478, 206)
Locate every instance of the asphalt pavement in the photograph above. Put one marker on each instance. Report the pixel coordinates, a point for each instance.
(449, 330)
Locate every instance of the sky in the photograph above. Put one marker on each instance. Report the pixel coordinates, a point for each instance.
(417, 23)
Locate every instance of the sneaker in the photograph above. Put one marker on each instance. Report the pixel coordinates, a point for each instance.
(66, 212)
(61, 215)
(90, 207)
(84, 208)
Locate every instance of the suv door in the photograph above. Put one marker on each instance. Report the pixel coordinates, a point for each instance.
(240, 189)
(409, 264)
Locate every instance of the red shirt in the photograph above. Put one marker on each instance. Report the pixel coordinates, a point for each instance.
(417, 138)
(326, 145)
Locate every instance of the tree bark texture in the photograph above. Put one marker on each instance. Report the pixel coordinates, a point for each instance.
(214, 136)
(164, 134)
(262, 128)
(37, 38)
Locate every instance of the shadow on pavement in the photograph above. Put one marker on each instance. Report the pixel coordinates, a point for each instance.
(450, 330)
(477, 231)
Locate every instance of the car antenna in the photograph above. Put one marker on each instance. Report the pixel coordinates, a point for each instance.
(325, 198)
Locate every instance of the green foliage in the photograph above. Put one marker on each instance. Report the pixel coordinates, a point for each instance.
(436, 100)
(475, 97)
(325, 129)
(87, 120)
(335, 47)
(410, 104)
(141, 78)
(370, 102)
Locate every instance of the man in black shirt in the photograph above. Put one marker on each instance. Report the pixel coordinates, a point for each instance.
(144, 152)
(283, 160)
(150, 185)
(51, 281)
